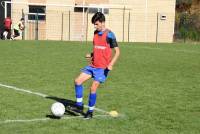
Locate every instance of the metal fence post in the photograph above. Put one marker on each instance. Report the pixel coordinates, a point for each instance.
(129, 15)
(184, 26)
(23, 16)
(123, 23)
(36, 29)
(157, 28)
(87, 28)
(69, 25)
(62, 28)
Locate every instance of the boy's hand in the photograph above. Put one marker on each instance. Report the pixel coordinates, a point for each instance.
(110, 67)
(88, 58)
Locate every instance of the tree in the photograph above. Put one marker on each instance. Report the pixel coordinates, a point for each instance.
(183, 1)
(183, 5)
(187, 21)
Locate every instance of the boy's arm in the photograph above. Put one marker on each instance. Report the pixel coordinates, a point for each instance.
(114, 45)
(114, 59)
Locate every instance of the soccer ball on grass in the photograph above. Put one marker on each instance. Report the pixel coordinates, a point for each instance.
(58, 109)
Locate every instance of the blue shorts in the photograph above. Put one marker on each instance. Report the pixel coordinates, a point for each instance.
(98, 74)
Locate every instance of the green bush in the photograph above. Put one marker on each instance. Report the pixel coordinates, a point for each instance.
(187, 26)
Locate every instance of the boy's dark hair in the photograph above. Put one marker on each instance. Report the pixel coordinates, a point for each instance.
(98, 17)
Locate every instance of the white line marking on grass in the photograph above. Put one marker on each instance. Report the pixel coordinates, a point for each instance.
(43, 95)
(23, 90)
(156, 48)
(186, 51)
(30, 120)
(46, 119)
(99, 110)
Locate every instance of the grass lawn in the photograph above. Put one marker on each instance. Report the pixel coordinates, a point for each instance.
(155, 87)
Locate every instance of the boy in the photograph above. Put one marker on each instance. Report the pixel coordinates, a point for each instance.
(102, 62)
(17, 28)
(7, 28)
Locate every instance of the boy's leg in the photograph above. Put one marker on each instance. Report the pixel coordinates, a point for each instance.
(92, 99)
(9, 33)
(5, 34)
(13, 31)
(79, 87)
(78, 108)
(100, 76)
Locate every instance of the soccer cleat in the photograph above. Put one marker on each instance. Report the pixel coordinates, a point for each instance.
(88, 115)
(78, 110)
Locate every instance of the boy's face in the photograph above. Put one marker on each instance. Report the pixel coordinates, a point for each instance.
(99, 26)
(22, 21)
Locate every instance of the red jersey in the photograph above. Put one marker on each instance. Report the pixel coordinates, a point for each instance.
(101, 50)
(7, 23)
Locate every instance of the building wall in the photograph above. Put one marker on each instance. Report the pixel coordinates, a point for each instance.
(145, 24)
(92, 2)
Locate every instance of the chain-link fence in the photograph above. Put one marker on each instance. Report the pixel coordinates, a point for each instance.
(74, 26)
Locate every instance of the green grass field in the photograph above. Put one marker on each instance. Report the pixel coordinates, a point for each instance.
(154, 87)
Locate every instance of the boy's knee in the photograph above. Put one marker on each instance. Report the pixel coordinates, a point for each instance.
(94, 86)
(93, 89)
(77, 82)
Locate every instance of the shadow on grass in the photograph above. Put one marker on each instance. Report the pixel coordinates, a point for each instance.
(52, 116)
(67, 103)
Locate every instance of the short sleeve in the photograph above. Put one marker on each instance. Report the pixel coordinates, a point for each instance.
(111, 39)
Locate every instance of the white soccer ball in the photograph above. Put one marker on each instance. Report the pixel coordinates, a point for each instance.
(58, 109)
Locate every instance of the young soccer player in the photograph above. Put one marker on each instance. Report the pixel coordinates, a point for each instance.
(17, 28)
(102, 61)
(7, 28)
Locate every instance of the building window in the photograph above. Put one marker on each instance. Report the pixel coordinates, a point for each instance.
(103, 10)
(79, 9)
(92, 10)
(37, 13)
